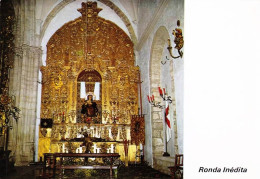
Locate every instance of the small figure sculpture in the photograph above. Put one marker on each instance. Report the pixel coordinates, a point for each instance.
(88, 144)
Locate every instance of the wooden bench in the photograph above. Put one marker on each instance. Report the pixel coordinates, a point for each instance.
(111, 156)
(178, 166)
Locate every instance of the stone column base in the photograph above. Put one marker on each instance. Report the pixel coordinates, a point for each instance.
(162, 163)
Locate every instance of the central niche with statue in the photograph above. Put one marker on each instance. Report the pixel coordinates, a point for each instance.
(89, 99)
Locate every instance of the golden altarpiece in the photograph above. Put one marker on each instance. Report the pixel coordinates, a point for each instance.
(92, 50)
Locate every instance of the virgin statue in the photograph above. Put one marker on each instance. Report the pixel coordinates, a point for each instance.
(89, 108)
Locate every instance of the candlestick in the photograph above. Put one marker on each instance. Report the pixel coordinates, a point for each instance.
(152, 102)
(164, 95)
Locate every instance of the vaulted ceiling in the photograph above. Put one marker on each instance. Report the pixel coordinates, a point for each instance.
(44, 7)
(131, 6)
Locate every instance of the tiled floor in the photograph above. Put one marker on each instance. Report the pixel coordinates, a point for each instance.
(131, 172)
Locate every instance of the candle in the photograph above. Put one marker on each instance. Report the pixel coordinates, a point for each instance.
(80, 150)
(169, 42)
(95, 148)
(112, 148)
(159, 90)
(148, 98)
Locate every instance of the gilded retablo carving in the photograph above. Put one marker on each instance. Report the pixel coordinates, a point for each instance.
(88, 45)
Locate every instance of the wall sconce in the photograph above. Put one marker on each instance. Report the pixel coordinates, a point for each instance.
(152, 102)
(178, 40)
(164, 96)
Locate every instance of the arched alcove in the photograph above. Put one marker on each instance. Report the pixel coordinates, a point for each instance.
(89, 83)
(161, 76)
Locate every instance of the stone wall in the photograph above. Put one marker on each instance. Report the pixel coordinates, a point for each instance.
(162, 164)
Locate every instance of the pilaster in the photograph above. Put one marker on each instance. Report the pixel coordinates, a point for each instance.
(24, 86)
(23, 83)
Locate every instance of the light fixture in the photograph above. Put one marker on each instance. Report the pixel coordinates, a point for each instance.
(178, 40)
(164, 96)
(153, 103)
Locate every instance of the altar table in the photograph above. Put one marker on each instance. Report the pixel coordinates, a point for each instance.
(111, 156)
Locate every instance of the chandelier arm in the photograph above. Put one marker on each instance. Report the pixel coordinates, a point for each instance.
(170, 51)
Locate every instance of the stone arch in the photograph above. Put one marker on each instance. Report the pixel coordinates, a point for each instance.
(63, 3)
(157, 54)
(52, 14)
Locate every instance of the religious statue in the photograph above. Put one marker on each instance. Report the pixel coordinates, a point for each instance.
(89, 108)
(88, 144)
